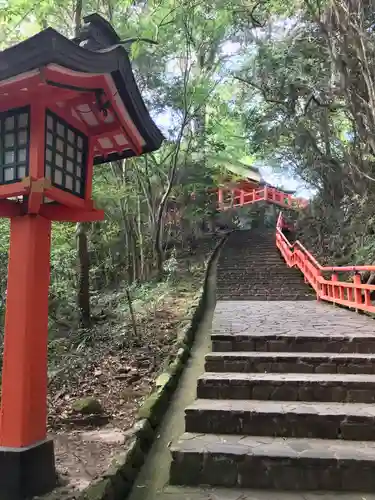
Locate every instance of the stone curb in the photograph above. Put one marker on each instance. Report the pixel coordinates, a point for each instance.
(117, 482)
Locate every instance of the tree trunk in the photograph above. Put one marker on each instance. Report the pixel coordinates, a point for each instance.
(158, 244)
(159, 252)
(83, 297)
(77, 17)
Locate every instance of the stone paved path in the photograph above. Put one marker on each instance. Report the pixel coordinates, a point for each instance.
(251, 268)
(289, 318)
(178, 493)
(301, 420)
(285, 400)
(235, 317)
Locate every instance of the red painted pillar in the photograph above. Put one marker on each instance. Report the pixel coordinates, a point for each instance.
(24, 377)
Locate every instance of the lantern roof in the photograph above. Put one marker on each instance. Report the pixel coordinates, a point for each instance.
(88, 81)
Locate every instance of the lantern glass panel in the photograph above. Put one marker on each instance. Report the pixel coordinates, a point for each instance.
(69, 182)
(59, 160)
(21, 172)
(9, 174)
(70, 167)
(66, 155)
(14, 145)
(22, 153)
(9, 157)
(60, 129)
(58, 177)
(49, 122)
(9, 140)
(22, 137)
(23, 120)
(9, 123)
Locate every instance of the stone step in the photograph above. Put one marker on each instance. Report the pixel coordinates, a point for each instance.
(259, 255)
(253, 282)
(290, 362)
(238, 291)
(207, 493)
(250, 279)
(249, 259)
(276, 290)
(350, 388)
(243, 250)
(255, 253)
(266, 284)
(263, 298)
(261, 267)
(282, 419)
(270, 286)
(259, 271)
(243, 257)
(298, 342)
(270, 282)
(273, 463)
(276, 274)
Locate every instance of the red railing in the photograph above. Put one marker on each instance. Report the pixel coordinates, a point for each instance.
(233, 198)
(354, 294)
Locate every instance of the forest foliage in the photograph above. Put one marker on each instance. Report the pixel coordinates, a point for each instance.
(282, 84)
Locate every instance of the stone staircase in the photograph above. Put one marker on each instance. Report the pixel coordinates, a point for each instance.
(287, 401)
(251, 268)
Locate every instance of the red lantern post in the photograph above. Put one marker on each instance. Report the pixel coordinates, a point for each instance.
(63, 108)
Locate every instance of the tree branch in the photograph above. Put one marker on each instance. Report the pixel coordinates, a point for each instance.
(261, 89)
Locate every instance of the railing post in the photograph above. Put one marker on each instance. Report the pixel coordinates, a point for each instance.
(266, 193)
(335, 289)
(278, 223)
(367, 298)
(242, 197)
(357, 289)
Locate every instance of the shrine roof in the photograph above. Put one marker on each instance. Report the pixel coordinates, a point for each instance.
(243, 171)
(96, 52)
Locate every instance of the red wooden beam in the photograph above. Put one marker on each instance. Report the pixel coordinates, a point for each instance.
(65, 198)
(68, 117)
(14, 97)
(35, 198)
(10, 208)
(15, 189)
(89, 99)
(56, 74)
(65, 214)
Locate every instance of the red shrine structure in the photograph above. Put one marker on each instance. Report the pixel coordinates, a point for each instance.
(65, 106)
(249, 188)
